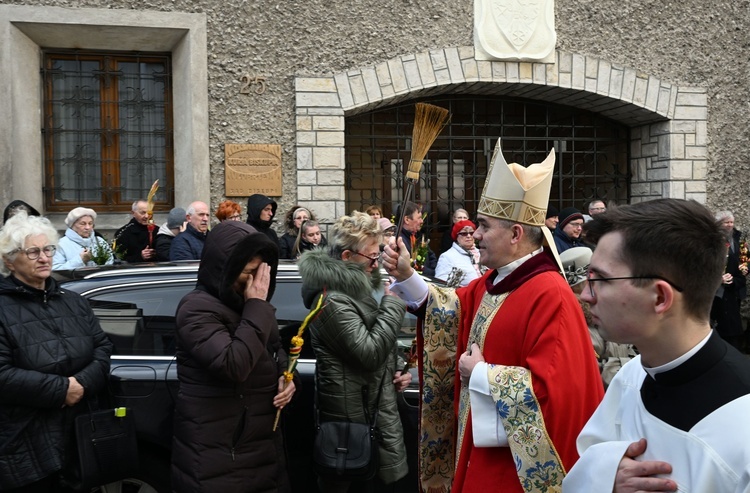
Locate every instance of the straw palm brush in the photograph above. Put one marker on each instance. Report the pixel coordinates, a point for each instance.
(429, 121)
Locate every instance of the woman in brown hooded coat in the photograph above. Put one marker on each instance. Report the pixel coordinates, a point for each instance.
(230, 364)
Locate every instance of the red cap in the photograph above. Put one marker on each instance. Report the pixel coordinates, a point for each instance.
(459, 226)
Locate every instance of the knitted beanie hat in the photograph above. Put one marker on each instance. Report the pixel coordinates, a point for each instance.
(176, 218)
(567, 215)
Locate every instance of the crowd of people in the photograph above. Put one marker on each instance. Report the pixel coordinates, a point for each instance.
(539, 312)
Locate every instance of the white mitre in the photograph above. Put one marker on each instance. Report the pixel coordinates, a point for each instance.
(519, 194)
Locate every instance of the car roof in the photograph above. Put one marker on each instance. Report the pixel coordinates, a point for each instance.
(146, 269)
(188, 269)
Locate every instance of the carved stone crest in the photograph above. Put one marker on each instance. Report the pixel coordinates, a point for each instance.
(515, 30)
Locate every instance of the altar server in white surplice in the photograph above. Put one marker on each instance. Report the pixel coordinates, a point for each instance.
(675, 418)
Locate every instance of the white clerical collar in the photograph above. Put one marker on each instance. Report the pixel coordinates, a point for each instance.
(505, 270)
(675, 363)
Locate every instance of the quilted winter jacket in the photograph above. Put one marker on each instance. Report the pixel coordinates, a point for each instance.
(229, 360)
(188, 245)
(45, 337)
(354, 338)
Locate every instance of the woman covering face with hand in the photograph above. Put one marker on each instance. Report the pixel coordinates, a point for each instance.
(230, 365)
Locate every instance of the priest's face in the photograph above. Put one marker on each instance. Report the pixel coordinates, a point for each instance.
(620, 308)
(495, 241)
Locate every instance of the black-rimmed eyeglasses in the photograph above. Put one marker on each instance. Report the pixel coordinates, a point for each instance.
(591, 280)
(373, 259)
(34, 252)
(465, 233)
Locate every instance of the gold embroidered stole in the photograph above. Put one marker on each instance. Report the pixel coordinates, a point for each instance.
(537, 462)
(488, 308)
(436, 426)
(538, 465)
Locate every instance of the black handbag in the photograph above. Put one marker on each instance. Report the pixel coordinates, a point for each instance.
(345, 450)
(106, 448)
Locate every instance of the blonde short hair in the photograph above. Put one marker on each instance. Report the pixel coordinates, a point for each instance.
(352, 232)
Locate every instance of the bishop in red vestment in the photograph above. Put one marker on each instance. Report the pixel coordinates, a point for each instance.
(511, 350)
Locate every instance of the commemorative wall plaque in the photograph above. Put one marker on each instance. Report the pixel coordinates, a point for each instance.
(252, 168)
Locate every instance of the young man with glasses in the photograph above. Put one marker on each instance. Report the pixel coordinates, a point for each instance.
(676, 414)
(567, 234)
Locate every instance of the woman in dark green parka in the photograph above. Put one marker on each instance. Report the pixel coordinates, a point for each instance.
(354, 338)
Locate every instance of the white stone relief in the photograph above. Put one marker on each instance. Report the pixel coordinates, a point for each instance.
(515, 30)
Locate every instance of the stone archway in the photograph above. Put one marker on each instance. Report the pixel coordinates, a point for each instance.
(668, 147)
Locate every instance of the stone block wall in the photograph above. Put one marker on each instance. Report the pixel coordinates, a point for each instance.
(669, 154)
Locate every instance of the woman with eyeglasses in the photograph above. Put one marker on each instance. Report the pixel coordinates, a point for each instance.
(54, 358)
(228, 210)
(459, 265)
(354, 338)
(80, 243)
(446, 242)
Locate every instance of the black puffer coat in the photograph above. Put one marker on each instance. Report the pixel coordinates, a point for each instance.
(229, 360)
(45, 337)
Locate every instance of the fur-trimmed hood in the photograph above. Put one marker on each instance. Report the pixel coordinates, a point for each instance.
(319, 271)
(228, 249)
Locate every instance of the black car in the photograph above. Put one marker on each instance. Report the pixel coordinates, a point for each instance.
(136, 306)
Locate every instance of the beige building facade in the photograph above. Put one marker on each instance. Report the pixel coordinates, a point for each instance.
(660, 72)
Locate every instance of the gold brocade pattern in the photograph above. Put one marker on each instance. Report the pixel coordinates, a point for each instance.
(491, 303)
(436, 439)
(512, 210)
(538, 464)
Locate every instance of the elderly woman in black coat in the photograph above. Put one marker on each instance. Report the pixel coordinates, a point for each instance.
(53, 358)
(230, 366)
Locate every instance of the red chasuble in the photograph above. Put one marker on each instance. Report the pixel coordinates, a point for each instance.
(539, 327)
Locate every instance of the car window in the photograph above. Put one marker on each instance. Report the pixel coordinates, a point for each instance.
(140, 319)
(287, 299)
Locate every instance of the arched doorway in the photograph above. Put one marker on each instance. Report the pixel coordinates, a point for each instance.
(592, 154)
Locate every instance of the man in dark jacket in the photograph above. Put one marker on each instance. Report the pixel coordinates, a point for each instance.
(260, 213)
(175, 225)
(568, 232)
(134, 239)
(188, 245)
(410, 233)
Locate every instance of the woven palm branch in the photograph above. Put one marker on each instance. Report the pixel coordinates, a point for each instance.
(150, 199)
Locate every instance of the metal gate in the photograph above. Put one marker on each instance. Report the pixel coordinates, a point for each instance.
(592, 155)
